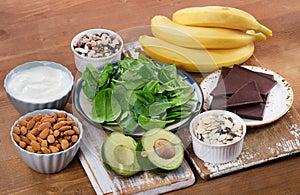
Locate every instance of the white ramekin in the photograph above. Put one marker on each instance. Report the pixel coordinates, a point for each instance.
(216, 153)
(81, 61)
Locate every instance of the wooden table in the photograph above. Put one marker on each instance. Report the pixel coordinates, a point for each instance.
(42, 30)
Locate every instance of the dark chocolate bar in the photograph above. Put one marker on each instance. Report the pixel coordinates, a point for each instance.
(246, 94)
(239, 76)
(253, 111)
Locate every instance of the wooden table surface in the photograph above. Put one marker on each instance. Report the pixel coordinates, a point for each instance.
(42, 30)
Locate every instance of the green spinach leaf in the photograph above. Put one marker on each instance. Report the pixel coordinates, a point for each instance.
(105, 107)
(151, 123)
(128, 122)
(90, 79)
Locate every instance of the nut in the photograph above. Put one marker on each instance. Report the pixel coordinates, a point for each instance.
(25, 139)
(74, 138)
(64, 128)
(23, 130)
(38, 117)
(69, 132)
(30, 149)
(46, 133)
(30, 124)
(48, 119)
(45, 150)
(75, 128)
(59, 124)
(28, 118)
(35, 131)
(62, 115)
(64, 144)
(53, 149)
(44, 144)
(56, 133)
(22, 122)
(22, 144)
(51, 139)
(16, 137)
(17, 130)
(30, 136)
(35, 146)
(44, 125)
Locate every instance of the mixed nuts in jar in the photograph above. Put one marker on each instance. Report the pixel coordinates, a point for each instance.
(97, 45)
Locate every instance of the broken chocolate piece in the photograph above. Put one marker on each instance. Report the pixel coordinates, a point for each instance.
(254, 111)
(239, 76)
(218, 102)
(247, 94)
(223, 74)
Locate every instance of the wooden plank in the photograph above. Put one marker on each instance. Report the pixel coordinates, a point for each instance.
(106, 183)
(262, 144)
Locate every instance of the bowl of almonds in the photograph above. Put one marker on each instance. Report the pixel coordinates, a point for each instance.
(96, 47)
(47, 140)
(217, 136)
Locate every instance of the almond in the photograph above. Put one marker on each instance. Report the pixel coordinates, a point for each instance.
(35, 145)
(44, 133)
(53, 149)
(64, 144)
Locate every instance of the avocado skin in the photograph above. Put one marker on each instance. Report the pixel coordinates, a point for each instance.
(144, 162)
(114, 170)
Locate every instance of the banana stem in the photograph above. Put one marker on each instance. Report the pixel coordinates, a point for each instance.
(258, 36)
(265, 30)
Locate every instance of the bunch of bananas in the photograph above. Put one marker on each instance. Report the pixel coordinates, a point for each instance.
(203, 39)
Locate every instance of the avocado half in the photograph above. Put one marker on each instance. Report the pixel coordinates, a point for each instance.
(160, 149)
(119, 154)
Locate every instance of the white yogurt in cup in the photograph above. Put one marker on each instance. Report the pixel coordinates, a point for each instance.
(39, 84)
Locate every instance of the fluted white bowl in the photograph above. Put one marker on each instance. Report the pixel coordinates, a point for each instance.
(24, 106)
(53, 162)
(217, 153)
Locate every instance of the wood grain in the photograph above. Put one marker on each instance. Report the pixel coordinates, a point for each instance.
(42, 30)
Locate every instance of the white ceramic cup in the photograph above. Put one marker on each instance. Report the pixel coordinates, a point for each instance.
(81, 61)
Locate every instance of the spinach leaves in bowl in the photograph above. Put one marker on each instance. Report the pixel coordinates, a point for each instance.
(138, 93)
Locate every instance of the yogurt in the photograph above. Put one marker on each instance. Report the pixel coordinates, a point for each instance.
(39, 84)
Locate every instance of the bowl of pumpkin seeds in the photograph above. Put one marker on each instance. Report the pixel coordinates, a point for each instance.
(217, 136)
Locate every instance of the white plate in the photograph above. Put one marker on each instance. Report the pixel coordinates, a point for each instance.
(84, 106)
(279, 101)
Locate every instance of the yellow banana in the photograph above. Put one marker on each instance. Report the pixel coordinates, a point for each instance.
(200, 37)
(219, 16)
(194, 60)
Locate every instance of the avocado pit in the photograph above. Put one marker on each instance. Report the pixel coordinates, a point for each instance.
(164, 149)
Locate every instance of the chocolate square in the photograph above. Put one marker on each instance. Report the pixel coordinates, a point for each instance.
(253, 111)
(239, 76)
(218, 102)
(246, 94)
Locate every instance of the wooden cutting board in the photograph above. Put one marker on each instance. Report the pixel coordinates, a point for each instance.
(106, 183)
(261, 145)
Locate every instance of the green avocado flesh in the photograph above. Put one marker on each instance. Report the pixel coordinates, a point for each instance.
(160, 148)
(119, 154)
